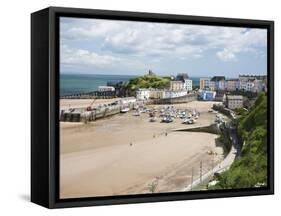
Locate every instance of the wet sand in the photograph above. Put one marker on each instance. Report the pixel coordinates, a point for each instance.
(124, 154)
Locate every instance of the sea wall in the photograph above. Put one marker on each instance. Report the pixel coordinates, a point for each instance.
(213, 128)
(94, 95)
(183, 99)
(224, 137)
(80, 115)
(88, 115)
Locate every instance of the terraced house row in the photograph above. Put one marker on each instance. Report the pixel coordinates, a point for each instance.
(250, 83)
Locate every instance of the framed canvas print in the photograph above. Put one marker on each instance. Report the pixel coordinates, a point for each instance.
(138, 107)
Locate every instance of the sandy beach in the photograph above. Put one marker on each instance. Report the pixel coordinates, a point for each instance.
(126, 154)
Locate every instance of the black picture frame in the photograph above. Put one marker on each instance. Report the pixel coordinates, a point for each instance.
(45, 106)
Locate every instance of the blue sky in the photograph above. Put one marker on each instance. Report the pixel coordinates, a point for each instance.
(97, 46)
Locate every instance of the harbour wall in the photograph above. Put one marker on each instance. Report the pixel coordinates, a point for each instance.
(182, 99)
(80, 115)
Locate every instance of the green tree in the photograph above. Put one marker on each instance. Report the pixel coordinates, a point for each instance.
(148, 81)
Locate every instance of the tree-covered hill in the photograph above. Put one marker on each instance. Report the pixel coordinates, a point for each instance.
(148, 81)
(250, 170)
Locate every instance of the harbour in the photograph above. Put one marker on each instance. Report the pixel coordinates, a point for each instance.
(159, 137)
(145, 111)
(128, 145)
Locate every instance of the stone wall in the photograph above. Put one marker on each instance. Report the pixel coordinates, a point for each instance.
(183, 99)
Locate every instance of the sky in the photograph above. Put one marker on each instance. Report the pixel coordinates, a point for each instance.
(99, 46)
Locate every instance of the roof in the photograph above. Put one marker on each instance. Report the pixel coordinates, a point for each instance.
(251, 79)
(182, 76)
(234, 97)
(218, 78)
(232, 80)
(259, 77)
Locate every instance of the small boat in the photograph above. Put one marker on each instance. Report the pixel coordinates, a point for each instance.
(189, 121)
(182, 116)
(185, 120)
(167, 120)
(124, 110)
(136, 114)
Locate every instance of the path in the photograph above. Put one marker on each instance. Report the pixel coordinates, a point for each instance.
(223, 165)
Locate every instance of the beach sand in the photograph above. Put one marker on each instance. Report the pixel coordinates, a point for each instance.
(125, 154)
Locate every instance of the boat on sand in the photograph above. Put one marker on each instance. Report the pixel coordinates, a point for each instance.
(124, 110)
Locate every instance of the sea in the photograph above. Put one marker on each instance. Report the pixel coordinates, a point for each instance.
(83, 83)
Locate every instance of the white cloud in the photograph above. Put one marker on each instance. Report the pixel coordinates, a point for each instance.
(226, 55)
(71, 56)
(144, 39)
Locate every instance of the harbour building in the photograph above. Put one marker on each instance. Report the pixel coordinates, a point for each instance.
(207, 84)
(234, 101)
(187, 82)
(219, 82)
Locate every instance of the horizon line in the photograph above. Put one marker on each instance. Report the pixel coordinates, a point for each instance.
(197, 76)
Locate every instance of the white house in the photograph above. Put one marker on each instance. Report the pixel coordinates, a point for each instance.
(156, 93)
(187, 85)
(174, 94)
(253, 83)
(247, 85)
(143, 94)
